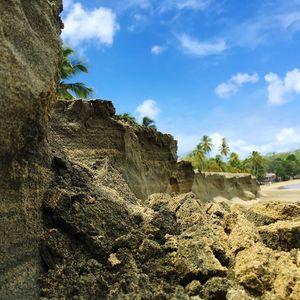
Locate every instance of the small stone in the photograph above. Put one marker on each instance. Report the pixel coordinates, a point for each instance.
(113, 260)
(193, 288)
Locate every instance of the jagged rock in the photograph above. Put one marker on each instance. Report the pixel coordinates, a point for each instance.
(216, 289)
(243, 234)
(282, 235)
(255, 269)
(195, 260)
(272, 211)
(193, 288)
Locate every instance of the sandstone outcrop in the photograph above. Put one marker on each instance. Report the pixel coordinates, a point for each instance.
(30, 60)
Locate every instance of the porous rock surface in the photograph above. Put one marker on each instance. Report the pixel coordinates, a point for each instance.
(100, 246)
(29, 71)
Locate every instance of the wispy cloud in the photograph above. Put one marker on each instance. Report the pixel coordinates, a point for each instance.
(157, 50)
(185, 4)
(232, 86)
(265, 29)
(148, 108)
(139, 21)
(284, 90)
(201, 48)
(82, 25)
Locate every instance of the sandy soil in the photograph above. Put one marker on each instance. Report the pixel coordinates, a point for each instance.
(273, 191)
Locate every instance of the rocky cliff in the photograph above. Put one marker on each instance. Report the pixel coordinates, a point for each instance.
(29, 59)
(208, 186)
(90, 133)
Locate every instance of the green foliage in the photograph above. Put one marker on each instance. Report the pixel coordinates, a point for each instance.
(147, 122)
(258, 168)
(224, 149)
(284, 165)
(254, 164)
(127, 118)
(70, 68)
(207, 144)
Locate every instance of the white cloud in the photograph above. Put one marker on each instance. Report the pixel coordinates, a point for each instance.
(280, 90)
(265, 29)
(186, 143)
(185, 4)
(96, 25)
(288, 136)
(226, 90)
(231, 87)
(157, 50)
(148, 108)
(195, 47)
(242, 78)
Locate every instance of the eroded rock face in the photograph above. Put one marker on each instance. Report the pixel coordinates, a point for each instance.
(29, 59)
(89, 132)
(209, 185)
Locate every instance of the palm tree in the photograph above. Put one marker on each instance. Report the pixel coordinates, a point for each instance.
(257, 163)
(70, 68)
(206, 144)
(128, 118)
(199, 154)
(147, 122)
(219, 161)
(224, 149)
(234, 159)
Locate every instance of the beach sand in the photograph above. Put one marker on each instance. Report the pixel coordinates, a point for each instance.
(274, 191)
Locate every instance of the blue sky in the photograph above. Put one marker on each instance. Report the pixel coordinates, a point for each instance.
(217, 67)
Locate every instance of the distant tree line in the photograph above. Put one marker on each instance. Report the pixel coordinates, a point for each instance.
(225, 160)
(285, 165)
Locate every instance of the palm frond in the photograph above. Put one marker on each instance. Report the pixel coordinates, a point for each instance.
(79, 89)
